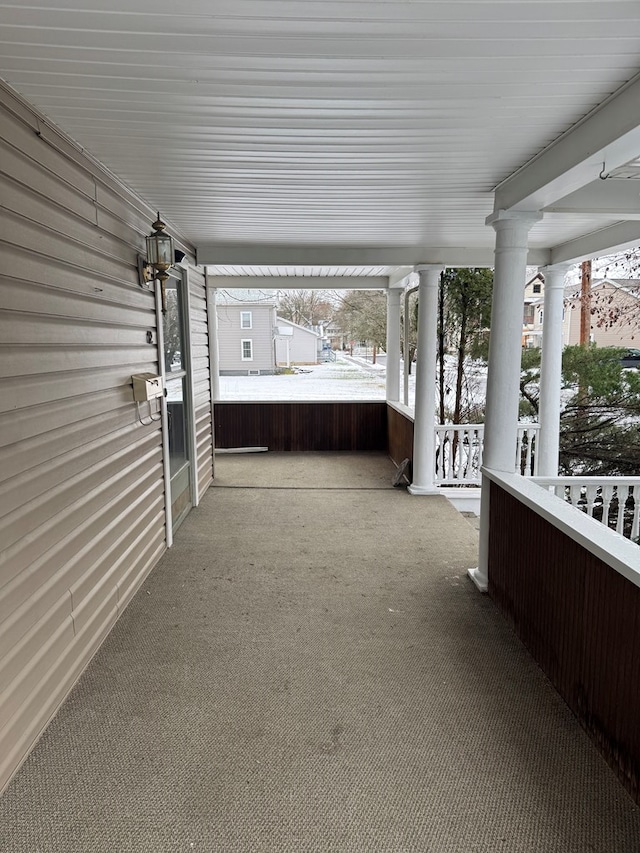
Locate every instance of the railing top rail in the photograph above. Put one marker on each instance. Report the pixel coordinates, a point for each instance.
(589, 481)
(610, 547)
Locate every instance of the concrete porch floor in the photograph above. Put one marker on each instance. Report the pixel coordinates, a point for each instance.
(309, 669)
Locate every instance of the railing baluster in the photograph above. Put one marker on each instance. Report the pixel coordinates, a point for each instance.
(607, 495)
(622, 500)
(585, 493)
(527, 468)
(635, 524)
(519, 451)
(452, 452)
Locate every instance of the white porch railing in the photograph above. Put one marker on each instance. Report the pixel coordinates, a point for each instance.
(615, 501)
(459, 452)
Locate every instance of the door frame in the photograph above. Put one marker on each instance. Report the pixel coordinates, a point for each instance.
(181, 276)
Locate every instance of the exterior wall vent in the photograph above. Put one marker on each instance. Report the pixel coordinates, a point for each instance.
(253, 373)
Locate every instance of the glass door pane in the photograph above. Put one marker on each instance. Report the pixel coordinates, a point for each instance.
(177, 400)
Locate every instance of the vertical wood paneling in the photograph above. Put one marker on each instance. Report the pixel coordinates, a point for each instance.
(579, 619)
(302, 426)
(81, 479)
(400, 429)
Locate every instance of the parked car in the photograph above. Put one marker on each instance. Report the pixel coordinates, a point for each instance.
(631, 358)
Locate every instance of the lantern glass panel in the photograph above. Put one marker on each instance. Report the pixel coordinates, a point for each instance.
(160, 249)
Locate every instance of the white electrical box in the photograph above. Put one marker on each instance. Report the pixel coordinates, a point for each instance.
(146, 386)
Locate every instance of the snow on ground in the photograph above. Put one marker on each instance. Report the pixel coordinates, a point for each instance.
(344, 379)
(348, 378)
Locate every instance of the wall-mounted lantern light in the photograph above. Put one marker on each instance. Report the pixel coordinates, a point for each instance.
(160, 258)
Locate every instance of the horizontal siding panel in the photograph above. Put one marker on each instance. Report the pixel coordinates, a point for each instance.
(30, 676)
(31, 423)
(100, 565)
(25, 519)
(124, 207)
(37, 299)
(48, 579)
(200, 378)
(135, 574)
(37, 360)
(26, 141)
(36, 209)
(17, 231)
(38, 480)
(19, 646)
(29, 265)
(22, 329)
(47, 445)
(25, 391)
(53, 539)
(17, 167)
(81, 481)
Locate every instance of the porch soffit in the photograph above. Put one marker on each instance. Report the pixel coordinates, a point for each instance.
(314, 133)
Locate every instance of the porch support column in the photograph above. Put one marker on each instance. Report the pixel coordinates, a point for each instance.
(505, 353)
(425, 406)
(394, 295)
(548, 444)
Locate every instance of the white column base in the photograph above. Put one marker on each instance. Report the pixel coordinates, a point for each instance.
(481, 582)
(423, 490)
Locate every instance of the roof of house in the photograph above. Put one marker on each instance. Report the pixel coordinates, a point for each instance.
(247, 296)
(296, 326)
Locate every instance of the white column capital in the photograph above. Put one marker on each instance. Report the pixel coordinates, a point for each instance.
(435, 269)
(554, 274)
(502, 218)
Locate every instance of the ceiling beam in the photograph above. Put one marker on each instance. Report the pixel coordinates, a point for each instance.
(294, 282)
(237, 254)
(607, 241)
(607, 138)
(612, 197)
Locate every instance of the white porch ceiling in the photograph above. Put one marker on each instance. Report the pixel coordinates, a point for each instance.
(342, 132)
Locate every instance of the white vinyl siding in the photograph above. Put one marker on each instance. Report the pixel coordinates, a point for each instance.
(302, 345)
(247, 349)
(82, 517)
(246, 320)
(201, 379)
(231, 335)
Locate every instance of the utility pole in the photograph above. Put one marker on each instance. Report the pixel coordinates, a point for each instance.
(585, 334)
(585, 304)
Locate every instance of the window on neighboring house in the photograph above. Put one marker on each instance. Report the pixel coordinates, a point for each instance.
(246, 320)
(540, 315)
(528, 314)
(537, 288)
(247, 350)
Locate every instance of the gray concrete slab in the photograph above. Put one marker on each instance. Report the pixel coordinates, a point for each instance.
(310, 670)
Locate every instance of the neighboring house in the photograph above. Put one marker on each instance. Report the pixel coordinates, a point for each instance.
(533, 313)
(246, 323)
(295, 344)
(615, 313)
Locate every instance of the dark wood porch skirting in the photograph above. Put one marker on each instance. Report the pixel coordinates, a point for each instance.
(355, 426)
(579, 618)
